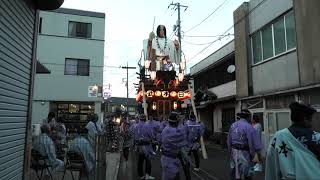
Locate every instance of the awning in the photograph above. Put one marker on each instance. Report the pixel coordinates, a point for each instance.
(41, 69)
(204, 95)
(202, 106)
(228, 98)
(207, 103)
(48, 4)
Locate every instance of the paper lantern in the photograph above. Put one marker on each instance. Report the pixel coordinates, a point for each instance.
(154, 106)
(150, 93)
(173, 94)
(157, 93)
(180, 94)
(165, 94)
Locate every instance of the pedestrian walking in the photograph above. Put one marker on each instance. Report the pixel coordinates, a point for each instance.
(126, 136)
(142, 142)
(244, 145)
(172, 143)
(195, 131)
(154, 125)
(257, 126)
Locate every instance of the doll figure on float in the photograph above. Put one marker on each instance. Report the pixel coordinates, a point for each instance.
(166, 50)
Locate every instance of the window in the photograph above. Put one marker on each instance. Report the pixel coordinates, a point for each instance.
(78, 67)
(283, 120)
(267, 44)
(40, 25)
(274, 39)
(279, 37)
(79, 29)
(316, 122)
(271, 123)
(113, 108)
(257, 53)
(132, 109)
(290, 31)
(74, 112)
(278, 121)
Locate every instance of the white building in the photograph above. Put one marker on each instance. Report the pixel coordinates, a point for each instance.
(71, 53)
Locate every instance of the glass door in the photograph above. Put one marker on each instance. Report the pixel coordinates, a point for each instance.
(277, 120)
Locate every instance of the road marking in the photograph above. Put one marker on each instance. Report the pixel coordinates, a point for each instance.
(198, 176)
(208, 174)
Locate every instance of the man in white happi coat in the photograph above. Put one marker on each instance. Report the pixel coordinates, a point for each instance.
(294, 152)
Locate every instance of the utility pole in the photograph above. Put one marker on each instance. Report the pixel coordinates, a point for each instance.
(178, 6)
(127, 84)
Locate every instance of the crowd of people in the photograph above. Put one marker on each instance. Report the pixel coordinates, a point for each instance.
(55, 141)
(176, 138)
(293, 153)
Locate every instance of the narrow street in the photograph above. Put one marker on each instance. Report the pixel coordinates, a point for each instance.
(214, 168)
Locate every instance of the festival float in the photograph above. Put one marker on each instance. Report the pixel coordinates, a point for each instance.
(163, 86)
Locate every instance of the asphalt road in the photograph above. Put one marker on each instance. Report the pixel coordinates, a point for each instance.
(216, 167)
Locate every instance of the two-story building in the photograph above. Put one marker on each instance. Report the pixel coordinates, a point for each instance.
(277, 59)
(214, 88)
(71, 56)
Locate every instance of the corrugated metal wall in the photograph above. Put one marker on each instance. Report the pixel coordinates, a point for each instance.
(17, 21)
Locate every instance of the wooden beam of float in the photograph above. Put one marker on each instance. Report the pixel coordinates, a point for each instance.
(203, 147)
(144, 101)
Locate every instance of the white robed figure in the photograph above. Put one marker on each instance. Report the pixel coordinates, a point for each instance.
(165, 50)
(45, 146)
(294, 152)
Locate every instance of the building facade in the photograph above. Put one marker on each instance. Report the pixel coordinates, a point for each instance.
(18, 42)
(115, 105)
(71, 48)
(276, 59)
(214, 89)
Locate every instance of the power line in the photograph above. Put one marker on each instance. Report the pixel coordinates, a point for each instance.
(263, 1)
(195, 36)
(196, 44)
(207, 16)
(200, 44)
(173, 33)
